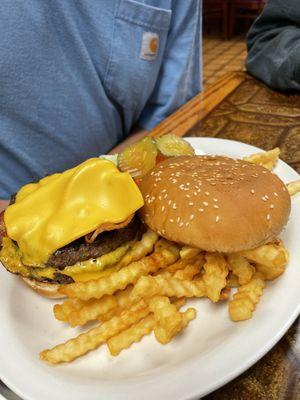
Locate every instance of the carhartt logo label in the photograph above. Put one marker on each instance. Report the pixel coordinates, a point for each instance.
(149, 47)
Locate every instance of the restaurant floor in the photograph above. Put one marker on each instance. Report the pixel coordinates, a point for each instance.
(220, 56)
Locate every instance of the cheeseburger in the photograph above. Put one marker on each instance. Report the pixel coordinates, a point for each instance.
(70, 225)
(214, 203)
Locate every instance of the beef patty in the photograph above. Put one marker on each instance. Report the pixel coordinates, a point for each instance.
(106, 242)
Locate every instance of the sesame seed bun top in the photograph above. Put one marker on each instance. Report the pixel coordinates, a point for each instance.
(214, 203)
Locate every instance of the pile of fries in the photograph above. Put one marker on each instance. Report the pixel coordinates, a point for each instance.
(146, 294)
(148, 287)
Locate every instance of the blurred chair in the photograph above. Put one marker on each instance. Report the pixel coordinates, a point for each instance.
(246, 10)
(217, 9)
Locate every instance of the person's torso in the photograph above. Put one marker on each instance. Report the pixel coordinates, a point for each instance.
(74, 77)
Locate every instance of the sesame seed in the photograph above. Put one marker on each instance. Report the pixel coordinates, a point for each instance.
(217, 218)
(215, 206)
(207, 193)
(263, 198)
(201, 209)
(191, 204)
(272, 206)
(178, 219)
(215, 200)
(171, 220)
(169, 202)
(163, 208)
(192, 217)
(181, 224)
(252, 191)
(174, 206)
(268, 217)
(266, 196)
(276, 194)
(205, 203)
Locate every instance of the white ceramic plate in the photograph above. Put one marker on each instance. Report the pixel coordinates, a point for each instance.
(212, 351)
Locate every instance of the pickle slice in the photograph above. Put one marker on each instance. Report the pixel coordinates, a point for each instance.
(138, 158)
(171, 146)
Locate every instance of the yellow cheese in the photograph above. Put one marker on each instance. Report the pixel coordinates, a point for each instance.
(88, 276)
(48, 272)
(63, 207)
(97, 264)
(10, 256)
(31, 187)
(82, 271)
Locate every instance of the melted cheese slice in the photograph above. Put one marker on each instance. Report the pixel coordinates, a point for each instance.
(82, 271)
(63, 207)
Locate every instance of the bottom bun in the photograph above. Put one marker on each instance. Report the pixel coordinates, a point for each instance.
(49, 290)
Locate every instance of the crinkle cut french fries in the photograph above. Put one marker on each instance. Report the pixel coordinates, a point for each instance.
(268, 159)
(145, 295)
(293, 187)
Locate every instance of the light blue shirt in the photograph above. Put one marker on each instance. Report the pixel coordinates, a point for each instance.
(76, 75)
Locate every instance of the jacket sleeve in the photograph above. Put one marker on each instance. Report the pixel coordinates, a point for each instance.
(274, 45)
(180, 76)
